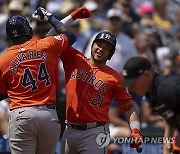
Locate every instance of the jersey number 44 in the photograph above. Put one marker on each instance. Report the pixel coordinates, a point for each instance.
(30, 81)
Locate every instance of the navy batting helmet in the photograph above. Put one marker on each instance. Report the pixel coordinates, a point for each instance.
(109, 37)
(18, 26)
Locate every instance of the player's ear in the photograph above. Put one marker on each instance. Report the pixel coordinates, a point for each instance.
(147, 73)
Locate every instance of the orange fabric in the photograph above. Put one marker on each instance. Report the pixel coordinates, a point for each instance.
(90, 90)
(175, 147)
(81, 13)
(57, 74)
(56, 66)
(27, 71)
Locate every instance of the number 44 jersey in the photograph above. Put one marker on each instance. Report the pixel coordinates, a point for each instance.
(90, 90)
(27, 71)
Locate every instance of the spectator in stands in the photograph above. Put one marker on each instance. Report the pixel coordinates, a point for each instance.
(160, 17)
(142, 43)
(176, 25)
(145, 11)
(130, 18)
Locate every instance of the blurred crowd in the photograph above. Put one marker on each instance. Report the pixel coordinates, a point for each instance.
(146, 28)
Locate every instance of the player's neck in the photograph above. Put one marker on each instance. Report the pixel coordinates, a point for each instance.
(95, 63)
(20, 40)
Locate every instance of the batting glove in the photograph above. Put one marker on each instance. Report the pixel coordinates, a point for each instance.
(136, 137)
(81, 13)
(41, 14)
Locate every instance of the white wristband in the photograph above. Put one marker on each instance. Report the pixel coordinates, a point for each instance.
(134, 124)
(67, 20)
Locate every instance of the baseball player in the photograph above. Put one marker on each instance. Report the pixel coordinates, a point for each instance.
(27, 78)
(163, 92)
(91, 85)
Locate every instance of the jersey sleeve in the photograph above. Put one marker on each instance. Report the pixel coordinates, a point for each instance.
(122, 96)
(120, 92)
(3, 84)
(126, 105)
(69, 55)
(57, 44)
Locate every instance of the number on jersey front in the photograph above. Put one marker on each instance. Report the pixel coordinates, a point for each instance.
(30, 81)
(97, 100)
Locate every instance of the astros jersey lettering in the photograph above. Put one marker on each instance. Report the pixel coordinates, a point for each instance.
(89, 90)
(26, 71)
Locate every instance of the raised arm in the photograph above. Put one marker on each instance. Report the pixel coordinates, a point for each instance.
(79, 13)
(42, 14)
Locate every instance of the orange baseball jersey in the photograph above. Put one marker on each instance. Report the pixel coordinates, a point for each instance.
(56, 66)
(27, 71)
(90, 90)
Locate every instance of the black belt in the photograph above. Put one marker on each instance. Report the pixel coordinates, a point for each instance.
(86, 125)
(49, 106)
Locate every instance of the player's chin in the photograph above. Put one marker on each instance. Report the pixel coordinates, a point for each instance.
(98, 58)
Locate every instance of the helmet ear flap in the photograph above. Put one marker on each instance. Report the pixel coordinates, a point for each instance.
(30, 32)
(111, 54)
(109, 37)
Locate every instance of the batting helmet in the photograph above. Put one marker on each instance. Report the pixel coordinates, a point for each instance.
(109, 37)
(18, 26)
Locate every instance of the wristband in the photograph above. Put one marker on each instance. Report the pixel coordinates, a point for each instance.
(134, 124)
(55, 22)
(67, 20)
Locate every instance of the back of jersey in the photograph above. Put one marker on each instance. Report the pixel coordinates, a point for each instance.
(27, 72)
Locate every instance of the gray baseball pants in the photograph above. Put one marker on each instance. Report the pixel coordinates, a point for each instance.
(33, 130)
(83, 141)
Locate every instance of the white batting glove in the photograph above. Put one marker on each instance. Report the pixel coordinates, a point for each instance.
(41, 14)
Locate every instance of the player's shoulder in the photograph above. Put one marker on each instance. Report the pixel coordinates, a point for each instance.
(8, 53)
(74, 52)
(53, 38)
(114, 73)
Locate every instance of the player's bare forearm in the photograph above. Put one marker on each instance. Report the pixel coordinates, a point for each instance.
(129, 109)
(114, 118)
(132, 117)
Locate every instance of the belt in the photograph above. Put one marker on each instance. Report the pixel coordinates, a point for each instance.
(86, 126)
(49, 106)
